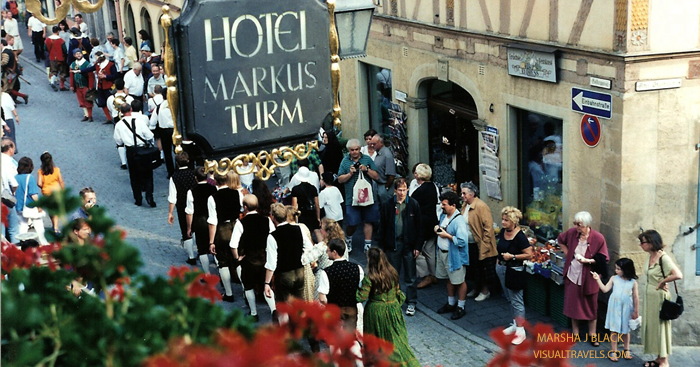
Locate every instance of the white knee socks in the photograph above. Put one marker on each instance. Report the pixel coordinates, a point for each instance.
(225, 275)
(271, 302)
(189, 247)
(204, 259)
(122, 154)
(250, 296)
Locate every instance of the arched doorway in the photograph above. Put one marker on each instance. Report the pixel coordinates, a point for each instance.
(146, 25)
(130, 26)
(453, 140)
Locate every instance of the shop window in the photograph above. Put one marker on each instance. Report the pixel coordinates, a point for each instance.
(540, 172)
(379, 97)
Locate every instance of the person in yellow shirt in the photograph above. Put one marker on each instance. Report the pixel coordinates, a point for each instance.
(50, 180)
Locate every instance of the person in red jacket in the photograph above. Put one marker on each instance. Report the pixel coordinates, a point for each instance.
(106, 75)
(56, 47)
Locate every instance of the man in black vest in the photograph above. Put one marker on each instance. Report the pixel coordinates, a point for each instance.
(249, 247)
(182, 181)
(133, 132)
(284, 249)
(338, 284)
(224, 209)
(197, 213)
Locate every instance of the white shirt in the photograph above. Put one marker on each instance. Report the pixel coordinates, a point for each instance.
(271, 263)
(324, 284)
(110, 103)
(330, 200)
(124, 136)
(133, 83)
(84, 30)
(211, 206)
(364, 150)
(189, 208)
(117, 57)
(8, 105)
(163, 118)
(154, 102)
(36, 25)
(238, 230)
(8, 171)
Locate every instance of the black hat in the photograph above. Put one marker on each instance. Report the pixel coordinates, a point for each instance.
(75, 31)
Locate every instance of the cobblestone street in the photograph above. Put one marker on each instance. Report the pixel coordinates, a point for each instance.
(86, 155)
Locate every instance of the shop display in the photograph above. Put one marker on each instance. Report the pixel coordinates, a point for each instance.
(397, 140)
(545, 292)
(490, 166)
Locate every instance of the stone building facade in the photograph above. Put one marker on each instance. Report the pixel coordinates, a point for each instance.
(447, 61)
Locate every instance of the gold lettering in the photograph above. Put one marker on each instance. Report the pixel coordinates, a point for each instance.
(221, 86)
(208, 39)
(234, 34)
(234, 122)
(290, 116)
(268, 113)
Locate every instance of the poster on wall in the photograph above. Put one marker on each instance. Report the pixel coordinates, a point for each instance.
(490, 166)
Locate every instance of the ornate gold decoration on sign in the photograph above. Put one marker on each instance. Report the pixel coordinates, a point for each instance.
(335, 65)
(166, 21)
(265, 162)
(62, 10)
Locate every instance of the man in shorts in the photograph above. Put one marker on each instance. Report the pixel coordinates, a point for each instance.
(452, 254)
(348, 173)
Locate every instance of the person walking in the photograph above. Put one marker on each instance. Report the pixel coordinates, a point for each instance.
(50, 180)
(660, 270)
(399, 231)
(80, 82)
(482, 247)
(224, 208)
(26, 194)
(386, 168)
(106, 75)
(58, 69)
(197, 213)
(182, 181)
(428, 197)
(513, 248)
(382, 315)
(132, 133)
(37, 31)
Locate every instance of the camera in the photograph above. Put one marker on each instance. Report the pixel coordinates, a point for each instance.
(439, 230)
(357, 165)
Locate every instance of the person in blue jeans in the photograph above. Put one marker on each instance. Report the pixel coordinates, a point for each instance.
(9, 185)
(28, 192)
(400, 236)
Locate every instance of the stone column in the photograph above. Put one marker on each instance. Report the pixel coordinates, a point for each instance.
(417, 126)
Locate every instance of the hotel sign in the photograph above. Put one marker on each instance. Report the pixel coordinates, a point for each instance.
(253, 74)
(532, 64)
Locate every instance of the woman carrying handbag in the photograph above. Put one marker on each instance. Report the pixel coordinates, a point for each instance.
(27, 193)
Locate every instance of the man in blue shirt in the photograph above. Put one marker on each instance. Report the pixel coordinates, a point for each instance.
(350, 168)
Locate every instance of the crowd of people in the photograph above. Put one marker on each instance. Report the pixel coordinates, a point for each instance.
(295, 241)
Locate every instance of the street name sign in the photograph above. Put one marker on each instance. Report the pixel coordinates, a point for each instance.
(592, 103)
(252, 74)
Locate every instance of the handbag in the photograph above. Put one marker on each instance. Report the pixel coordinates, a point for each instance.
(8, 199)
(362, 194)
(27, 212)
(670, 310)
(91, 95)
(147, 156)
(515, 279)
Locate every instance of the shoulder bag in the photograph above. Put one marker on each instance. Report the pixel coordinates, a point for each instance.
(670, 310)
(27, 212)
(147, 156)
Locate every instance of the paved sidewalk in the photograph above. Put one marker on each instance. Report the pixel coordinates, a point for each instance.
(86, 154)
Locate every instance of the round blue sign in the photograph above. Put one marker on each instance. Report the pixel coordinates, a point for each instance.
(590, 130)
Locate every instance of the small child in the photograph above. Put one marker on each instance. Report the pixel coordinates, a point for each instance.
(330, 199)
(623, 305)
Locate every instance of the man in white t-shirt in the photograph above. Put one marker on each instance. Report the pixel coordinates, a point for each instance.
(330, 199)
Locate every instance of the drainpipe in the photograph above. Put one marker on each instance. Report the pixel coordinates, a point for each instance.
(118, 14)
(697, 231)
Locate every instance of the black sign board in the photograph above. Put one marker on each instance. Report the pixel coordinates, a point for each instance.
(252, 74)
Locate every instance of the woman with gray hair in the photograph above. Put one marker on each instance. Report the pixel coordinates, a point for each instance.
(583, 248)
(427, 195)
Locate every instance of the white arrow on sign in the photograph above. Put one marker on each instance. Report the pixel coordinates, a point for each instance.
(582, 101)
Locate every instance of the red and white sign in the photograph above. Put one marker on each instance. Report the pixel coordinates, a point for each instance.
(590, 130)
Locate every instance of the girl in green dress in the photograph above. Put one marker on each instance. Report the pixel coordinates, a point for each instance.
(383, 317)
(656, 333)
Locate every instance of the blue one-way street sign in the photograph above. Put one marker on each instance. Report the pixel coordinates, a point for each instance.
(590, 102)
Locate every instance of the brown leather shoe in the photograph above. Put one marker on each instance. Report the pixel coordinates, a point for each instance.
(427, 281)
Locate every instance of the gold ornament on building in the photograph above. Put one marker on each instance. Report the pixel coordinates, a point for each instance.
(335, 65)
(166, 21)
(62, 10)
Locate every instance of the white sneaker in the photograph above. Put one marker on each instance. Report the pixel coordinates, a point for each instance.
(482, 297)
(348, 243)
(510, 329)
(519, 335)
(472, 293)
(411, 310)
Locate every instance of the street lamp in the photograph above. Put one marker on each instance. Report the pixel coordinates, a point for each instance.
(353, 19)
